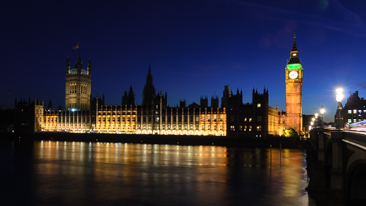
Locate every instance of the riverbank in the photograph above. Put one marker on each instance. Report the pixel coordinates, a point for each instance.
(276, 142)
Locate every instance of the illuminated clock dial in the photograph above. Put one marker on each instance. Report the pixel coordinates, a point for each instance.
(293, 74)
(294, 54)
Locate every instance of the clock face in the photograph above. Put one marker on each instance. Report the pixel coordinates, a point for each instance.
(294, 54)
(293, 74)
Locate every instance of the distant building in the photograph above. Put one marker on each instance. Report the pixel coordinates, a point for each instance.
(246, 120)
(354, 110)
(28, 115)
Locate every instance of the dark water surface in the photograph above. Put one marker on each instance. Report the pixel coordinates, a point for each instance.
(83, 173)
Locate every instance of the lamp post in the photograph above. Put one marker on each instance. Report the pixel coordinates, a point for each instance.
(316, 119)
(339, 97)
(322, 111)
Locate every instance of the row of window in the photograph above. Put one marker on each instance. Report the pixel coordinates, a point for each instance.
(245, 128)
(179, 127)
(259, 118)
(83, 88)
(62, 120)
(355, 111)
(117, 126)
(175, 119)
(117, 120)
(355, 120)
(73, 88)
(117, 113)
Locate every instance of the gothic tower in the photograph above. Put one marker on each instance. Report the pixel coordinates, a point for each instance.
(294, 78)
(149, 90)
(78, 86)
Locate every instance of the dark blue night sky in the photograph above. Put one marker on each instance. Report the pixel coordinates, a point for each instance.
(195, 48)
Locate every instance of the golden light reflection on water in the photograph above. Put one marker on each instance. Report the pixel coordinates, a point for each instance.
(211, 172)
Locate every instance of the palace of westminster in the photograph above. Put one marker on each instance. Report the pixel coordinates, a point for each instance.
(232, 118)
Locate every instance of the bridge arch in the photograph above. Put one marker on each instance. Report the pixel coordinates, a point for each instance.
(356, 181)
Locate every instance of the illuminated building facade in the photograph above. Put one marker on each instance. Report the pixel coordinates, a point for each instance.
(276, 121)
(294, 78)
(77, 86)
(154, 116)
(182, 120)
(116, 119)
(66, 121)
(77, 115)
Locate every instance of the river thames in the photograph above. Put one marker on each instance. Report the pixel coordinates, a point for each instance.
(96, 173)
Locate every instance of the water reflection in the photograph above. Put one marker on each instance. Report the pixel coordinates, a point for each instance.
(120, 173)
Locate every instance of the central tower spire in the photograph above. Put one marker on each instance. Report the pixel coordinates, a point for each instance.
(149, 79)
(149, 90)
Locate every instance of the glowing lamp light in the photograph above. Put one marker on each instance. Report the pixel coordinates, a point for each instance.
(339, 94)
(316, 115)
(339, 97)
(322, 110)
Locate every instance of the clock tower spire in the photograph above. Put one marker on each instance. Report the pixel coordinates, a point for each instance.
(294, 78)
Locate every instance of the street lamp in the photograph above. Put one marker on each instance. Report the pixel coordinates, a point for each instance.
(316, 122)
(322, 111)
(339, 97)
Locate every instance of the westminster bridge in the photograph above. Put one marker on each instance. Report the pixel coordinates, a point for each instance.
(337, 163)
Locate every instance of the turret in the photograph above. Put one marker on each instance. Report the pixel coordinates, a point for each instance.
(131, 97)
(79, 65)
(67, 65)
(50, 108)
(124, 98)
(149, 77)
(89, 67)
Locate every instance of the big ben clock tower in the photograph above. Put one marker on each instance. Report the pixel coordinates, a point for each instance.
(294, 77)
